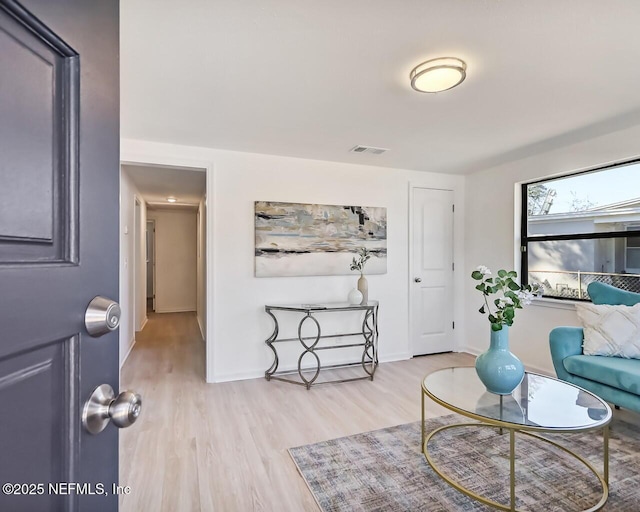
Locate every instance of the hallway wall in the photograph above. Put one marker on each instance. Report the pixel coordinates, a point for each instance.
(128, 231)
(202, 268)
(176, 242)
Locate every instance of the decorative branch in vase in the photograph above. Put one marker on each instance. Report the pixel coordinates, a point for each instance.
(512, 295)
(358, 263)
(498, 369)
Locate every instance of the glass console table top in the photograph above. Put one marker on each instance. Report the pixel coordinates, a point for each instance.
(538, 402)
(322, 306)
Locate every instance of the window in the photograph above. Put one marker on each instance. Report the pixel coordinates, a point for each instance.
(582, 228)
(633, 251)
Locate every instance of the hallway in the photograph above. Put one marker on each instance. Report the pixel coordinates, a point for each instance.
(223, 447)
(157, 454)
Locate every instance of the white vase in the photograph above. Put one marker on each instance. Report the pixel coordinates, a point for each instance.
(355, 297)
(363, 286)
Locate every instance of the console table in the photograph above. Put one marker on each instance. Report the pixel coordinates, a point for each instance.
(312, 344)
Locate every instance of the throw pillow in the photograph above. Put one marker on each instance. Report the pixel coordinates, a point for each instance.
(602, 293)
(610, 330)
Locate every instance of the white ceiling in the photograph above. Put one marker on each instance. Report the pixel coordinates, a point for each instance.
(156, 183)
(313, 78)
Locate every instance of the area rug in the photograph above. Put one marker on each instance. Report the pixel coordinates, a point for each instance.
(385, 471)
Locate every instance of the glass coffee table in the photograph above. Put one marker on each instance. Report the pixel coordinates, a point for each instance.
(538, 405)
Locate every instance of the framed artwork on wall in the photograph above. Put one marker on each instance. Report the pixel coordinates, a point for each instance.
(297, 239)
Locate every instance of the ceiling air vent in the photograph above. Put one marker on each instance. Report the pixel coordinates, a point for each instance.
(368, 149)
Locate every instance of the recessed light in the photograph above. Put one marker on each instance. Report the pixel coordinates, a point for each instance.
(437, 75)
(171, 199)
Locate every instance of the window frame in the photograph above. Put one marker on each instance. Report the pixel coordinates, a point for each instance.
(526, 239)
(632, 248)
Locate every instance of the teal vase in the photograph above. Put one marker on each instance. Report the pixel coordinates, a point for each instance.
(499, 370)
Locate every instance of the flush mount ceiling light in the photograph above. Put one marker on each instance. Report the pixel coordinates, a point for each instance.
(171, 199)
(438, 75)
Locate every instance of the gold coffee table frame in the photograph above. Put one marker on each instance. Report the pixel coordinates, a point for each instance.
(527, 430)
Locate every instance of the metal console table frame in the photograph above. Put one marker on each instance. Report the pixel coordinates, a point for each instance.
(311, 344)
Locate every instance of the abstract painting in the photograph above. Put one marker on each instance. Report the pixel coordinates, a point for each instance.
(294, 239)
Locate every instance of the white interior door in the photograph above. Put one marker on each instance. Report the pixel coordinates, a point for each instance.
(432, 271)
(151, 262)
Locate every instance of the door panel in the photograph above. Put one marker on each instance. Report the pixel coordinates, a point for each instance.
(435, 321)
(432, 267)
(434, 229)
(38, 378)
(38, 139)
(59, 141)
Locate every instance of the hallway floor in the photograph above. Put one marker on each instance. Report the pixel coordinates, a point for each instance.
(223, 447)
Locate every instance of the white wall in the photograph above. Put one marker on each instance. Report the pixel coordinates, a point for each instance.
(128, 256)
(237, 324)
(201, 280)
(492, 237)
(176, 236)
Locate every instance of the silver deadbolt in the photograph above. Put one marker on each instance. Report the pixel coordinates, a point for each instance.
(103, 406)
(102, 316)
(417, 279)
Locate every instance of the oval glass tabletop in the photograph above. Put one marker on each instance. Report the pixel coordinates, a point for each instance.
(539, 402)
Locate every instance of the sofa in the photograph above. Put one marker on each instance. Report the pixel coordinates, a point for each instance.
(614, 379)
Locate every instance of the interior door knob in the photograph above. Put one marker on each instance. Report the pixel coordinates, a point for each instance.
(417, 279)
(102, 316)
(103, 406)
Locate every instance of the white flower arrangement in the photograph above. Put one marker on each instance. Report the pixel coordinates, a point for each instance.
(513, 296)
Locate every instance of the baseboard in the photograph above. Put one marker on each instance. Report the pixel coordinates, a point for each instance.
(124, 360)
(469, 350)
(230, 377)
(144, 322)
(176, 310)
(257, 374)
(201, 329)
(398, 356)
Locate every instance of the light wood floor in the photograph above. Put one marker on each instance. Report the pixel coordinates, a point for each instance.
(223, 447)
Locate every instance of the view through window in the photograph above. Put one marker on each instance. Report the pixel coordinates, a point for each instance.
(582, 228)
